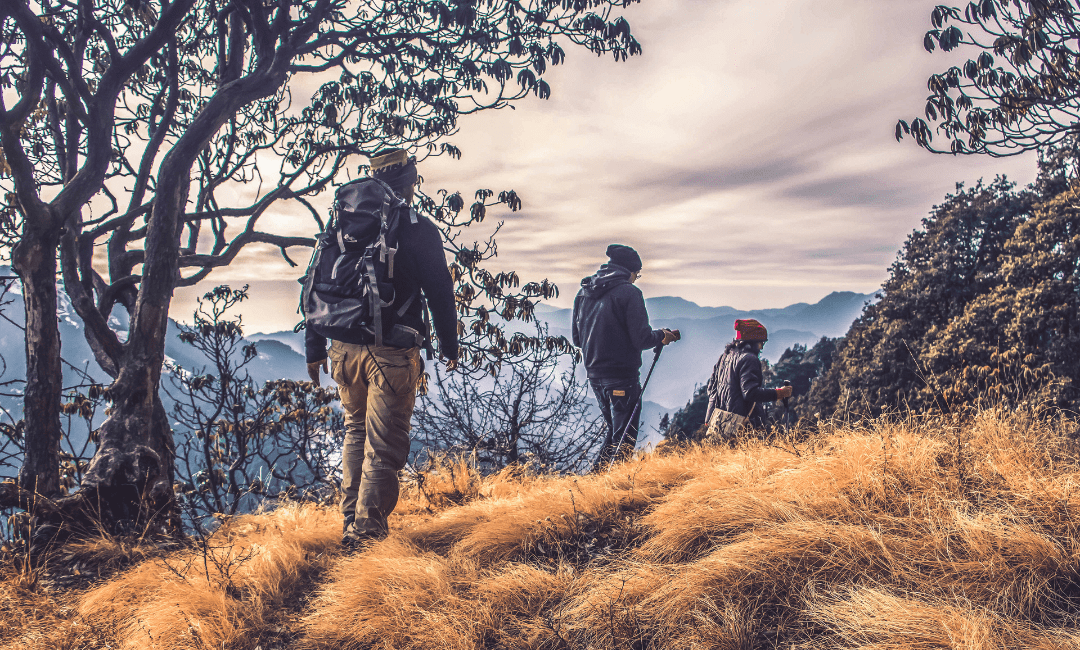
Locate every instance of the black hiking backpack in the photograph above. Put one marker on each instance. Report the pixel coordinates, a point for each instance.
(349, 285)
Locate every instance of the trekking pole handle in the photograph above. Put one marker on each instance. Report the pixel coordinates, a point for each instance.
(786, 383)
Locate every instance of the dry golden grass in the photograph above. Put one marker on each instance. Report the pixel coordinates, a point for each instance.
(890, 534)
(23, 610)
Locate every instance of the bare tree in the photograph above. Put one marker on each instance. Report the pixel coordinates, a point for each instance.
(535, 411)
(238, 443)
(123, 123)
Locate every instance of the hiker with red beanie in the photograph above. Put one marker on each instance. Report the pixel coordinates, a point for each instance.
(611, 326)
(735, 388)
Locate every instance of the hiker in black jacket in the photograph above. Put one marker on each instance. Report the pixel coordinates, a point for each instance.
(736, 387)
(611, 326)
(377, 383)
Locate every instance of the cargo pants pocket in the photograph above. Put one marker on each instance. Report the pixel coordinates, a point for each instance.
(338, 357)
(398, 370)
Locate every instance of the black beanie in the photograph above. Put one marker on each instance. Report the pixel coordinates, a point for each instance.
(625, 257)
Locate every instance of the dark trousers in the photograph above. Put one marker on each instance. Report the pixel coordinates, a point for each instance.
(618, 399)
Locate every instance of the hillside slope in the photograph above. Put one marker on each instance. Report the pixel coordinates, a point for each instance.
(276, 360)
(915, 534)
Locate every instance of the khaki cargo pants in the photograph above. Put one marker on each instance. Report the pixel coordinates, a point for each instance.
(377, 386)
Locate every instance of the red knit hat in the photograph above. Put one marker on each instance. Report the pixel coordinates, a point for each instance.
(750, 330)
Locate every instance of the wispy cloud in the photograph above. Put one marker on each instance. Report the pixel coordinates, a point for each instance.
(748, 155)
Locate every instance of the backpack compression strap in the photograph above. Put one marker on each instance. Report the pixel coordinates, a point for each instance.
(369, 267)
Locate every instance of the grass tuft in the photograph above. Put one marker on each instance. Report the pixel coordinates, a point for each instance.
(901, 532)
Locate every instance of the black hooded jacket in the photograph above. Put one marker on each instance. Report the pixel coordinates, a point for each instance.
(611, 325)
(736, 384)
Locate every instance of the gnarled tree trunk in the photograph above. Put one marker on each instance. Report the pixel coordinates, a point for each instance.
(34, 259)
(131, 475)
(128, 484)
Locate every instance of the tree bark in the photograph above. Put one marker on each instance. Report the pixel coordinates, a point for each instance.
(34, 260)
(129, 480)
(131, 475)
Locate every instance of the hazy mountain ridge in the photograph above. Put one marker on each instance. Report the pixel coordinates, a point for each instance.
(681, 368)
(706, 330)
(831, 316)
(275, 360)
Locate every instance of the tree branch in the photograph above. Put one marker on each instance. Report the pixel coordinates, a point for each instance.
(102, 109)
(106, 347)
(210, 262)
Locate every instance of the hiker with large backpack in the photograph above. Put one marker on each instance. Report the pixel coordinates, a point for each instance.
(376, 270)
(736, 388)
(611, 326)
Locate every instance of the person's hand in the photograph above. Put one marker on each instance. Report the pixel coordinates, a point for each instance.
(670, 336)
(313, 369)
(783, 392)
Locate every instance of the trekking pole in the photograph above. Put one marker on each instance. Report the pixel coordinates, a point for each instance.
(787, 408)
(637, 406)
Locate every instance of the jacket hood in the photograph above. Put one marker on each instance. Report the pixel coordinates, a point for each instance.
(605, 279)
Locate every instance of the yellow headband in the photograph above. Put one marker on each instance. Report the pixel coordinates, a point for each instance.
(398, 157)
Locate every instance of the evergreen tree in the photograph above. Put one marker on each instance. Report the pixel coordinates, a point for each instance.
(1021, 339)
(802, 367)
(686, 422)
(980, 305)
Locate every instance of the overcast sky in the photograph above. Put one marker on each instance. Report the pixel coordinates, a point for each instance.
(747, 154)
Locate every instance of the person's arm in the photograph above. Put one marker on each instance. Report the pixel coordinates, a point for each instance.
(751, 380)
(642, 336)
(435, 282)
(575, 334)
(314, 345)
(315, 352)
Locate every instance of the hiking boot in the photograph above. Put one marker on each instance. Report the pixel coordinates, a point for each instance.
(354, 540)
(359, 542)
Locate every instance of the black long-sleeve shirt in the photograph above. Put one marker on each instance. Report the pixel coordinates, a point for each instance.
(420, 266)
(611, 324)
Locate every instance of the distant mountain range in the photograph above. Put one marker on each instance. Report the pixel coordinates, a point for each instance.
(831, 316)
(682, 366)
(274, 360)
(706, 330)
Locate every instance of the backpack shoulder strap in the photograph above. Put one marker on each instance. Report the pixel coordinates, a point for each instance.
(386, 255)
